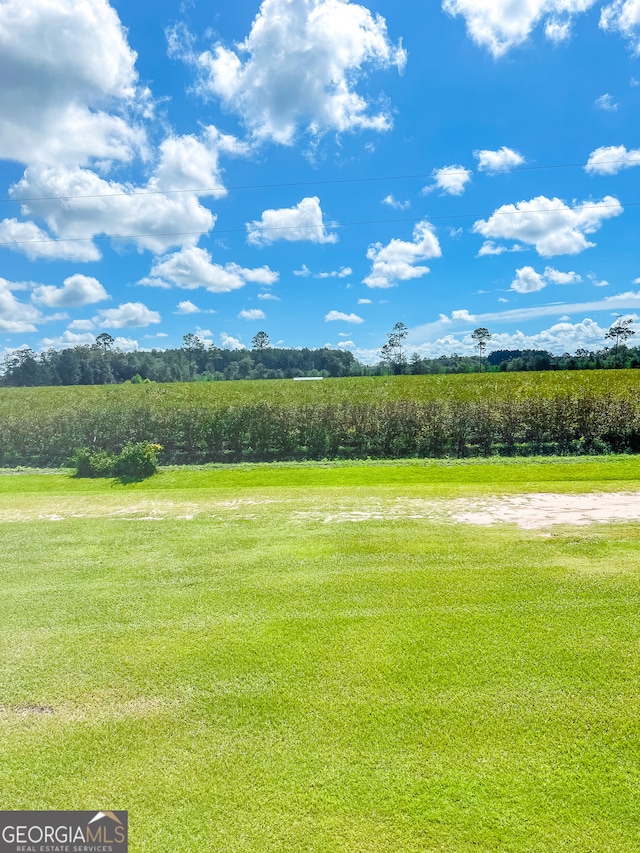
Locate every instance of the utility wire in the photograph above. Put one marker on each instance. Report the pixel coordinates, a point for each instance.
(553, 210)
(222, 189)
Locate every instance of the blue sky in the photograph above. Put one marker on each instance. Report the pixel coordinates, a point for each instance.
(319, 170)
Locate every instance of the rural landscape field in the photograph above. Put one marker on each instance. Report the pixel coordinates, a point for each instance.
(340, 655)
(319, 426)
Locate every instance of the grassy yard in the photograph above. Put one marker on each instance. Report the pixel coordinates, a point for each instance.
(294, 658)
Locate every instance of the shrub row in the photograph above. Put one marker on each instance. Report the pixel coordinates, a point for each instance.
(268, 431)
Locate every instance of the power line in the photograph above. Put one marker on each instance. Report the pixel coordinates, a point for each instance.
(553, 210)
(223, 189)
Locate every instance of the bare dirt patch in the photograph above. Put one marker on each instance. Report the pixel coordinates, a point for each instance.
(531, 511)
(528, 511)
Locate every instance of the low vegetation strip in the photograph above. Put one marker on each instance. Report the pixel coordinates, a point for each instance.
(351, 418)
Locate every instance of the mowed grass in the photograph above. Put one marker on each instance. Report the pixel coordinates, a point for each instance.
(242, 675)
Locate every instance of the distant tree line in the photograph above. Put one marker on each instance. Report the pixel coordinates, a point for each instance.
(527, 359)
(394, 358)
(103, 363)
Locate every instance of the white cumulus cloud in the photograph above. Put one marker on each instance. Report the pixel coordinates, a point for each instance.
(550, 225)
(128, 315)
(301, 222)
(192, 268)
(558, 277)
(500, 25)
(81, 325)
(252, 314)
(16, 316)
(69, 338)
(192, 163)
(76, 290)
(611, 159)
(623, 16)
(491, 248)
(229, 342)
(258, 275)
(108, 207)
(461, 315)
(68, 79)
(400, 260)
(527, 280)
(77, 204)
(126, 344)
(32, 241)
(451, 180)
(556, 30)
(299, 67)
(503, 160)
(345, 318)
(187, 307)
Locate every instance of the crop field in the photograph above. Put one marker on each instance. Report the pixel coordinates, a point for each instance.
(509, 414)
(404, 656)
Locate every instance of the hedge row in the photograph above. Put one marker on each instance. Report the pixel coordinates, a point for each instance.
(262, 431)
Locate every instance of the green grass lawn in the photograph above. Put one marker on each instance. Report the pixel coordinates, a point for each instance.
(207, 651)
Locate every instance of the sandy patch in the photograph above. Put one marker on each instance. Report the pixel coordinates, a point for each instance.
(527, 511)
(533, 511)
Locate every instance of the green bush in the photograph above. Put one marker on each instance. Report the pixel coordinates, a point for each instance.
(136, 461)
(93, 463)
